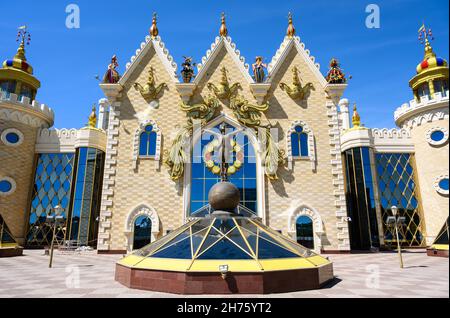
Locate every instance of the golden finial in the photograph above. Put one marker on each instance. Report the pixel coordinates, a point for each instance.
(24, 36)
(93, 117)
(154, 32)
(424, 35)
(223, 29)
(356, 118)
(291, 29)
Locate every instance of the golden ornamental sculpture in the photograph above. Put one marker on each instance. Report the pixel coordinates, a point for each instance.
(273, 156)
(154, 32)
(224, 91)
(176, 156)
(92, 123)
(246, 113)
(223, 28)
(356, 119)
(290, 33)
(296, 91)
(204, 111)
(150, 92)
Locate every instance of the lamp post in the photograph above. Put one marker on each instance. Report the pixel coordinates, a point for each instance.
(399, 248)
(54, 221)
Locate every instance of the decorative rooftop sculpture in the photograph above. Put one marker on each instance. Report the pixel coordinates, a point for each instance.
(154, 32)
(223, 28)
(296, 91)
(290, 33)
(93, 117)
(188, 69)
(112, 76)
(259, 74)
(335, 75)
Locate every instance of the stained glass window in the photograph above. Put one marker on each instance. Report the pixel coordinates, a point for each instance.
(203, 179)
(52, 186)
(147, 142)
(299, 141)
(397, 188)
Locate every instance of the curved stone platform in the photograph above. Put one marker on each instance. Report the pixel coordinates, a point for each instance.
(200, 283)
(11, 251)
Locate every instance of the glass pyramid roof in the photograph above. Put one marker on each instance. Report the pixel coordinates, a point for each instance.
(6, 238)
(442, 238)
(243, 243)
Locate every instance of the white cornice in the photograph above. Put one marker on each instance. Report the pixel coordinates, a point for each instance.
(211, 54)
(283, 52)
(405, 115)
(381, 140)
(161, 51)
(26, 112)
(68, 140)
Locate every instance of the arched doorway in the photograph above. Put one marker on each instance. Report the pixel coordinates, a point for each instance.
(142, 232)
(305, 231)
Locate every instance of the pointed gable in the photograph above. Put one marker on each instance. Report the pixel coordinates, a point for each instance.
(161, 51)
(286, 47)
(208, 60)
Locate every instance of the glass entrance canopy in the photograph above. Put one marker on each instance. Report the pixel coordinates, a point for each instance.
(241, 243)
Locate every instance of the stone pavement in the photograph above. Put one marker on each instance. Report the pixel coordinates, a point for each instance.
(88, 275)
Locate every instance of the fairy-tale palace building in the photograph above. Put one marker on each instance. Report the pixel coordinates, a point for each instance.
(145, 165)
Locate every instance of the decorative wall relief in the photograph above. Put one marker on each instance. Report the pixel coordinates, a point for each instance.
(273, 156)
(150, 91)
(246, 113)
(296, 91)
(224, 91)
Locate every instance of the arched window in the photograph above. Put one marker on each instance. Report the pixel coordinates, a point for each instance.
(305, 232)
(142, 232)
(300, 142)
(147, 142)
(245, 178)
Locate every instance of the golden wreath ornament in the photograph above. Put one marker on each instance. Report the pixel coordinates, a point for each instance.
(215, 168)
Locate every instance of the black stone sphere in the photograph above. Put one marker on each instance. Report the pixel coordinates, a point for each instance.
(224, 196)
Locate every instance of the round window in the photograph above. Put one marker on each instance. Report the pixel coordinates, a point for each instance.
(437, 136)
(12, 137)
(7, 186)
(442, 185)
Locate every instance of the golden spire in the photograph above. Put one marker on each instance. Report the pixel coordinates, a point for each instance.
(93, 117)
(291, 29)
(154, 32)
(223, 29)
(20, 55)
(356, 118)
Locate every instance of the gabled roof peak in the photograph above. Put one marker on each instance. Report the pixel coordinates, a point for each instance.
(284, 50)
(235, 54)
(161, 51)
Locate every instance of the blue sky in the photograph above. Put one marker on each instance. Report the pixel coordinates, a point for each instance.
(381, 61)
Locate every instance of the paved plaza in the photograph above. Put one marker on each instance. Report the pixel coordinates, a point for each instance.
(88, 275)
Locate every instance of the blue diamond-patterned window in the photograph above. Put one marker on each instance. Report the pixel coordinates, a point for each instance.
(51, 188)
(147, 142)
(396, 170)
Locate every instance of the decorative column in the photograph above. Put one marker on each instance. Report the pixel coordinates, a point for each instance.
(113, 93)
